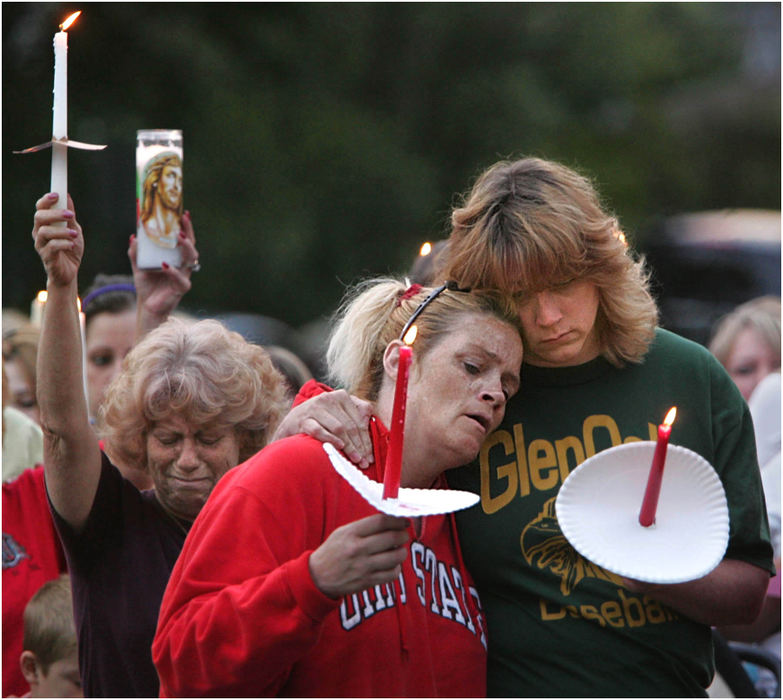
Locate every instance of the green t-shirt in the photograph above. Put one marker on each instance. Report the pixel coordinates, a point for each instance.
(558, 625)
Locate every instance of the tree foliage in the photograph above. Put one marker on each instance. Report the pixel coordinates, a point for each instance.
(326, 141)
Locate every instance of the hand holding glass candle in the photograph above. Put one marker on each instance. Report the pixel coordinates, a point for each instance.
(391, 474)
(653, 490)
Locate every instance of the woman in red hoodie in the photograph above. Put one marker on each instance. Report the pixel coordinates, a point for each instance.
(290, 583)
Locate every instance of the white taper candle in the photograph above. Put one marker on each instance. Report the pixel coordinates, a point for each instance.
(59, 182)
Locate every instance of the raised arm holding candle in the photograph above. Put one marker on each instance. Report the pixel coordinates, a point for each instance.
(324, 560)
(112, 321)
(172, 413)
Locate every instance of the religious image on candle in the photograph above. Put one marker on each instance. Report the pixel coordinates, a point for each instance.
(159, 201)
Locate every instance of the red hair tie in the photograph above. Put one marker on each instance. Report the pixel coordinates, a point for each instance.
(411, 291)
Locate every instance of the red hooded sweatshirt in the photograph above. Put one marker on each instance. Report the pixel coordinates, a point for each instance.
(242, 617)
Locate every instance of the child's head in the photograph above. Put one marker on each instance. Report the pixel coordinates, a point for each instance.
(50, 661)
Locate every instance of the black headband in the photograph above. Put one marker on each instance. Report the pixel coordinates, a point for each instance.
(451, 286)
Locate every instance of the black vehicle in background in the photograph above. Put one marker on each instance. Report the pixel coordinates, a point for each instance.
(706, 263)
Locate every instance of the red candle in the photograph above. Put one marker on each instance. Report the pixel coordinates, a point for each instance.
(653, 490)
(391, 474)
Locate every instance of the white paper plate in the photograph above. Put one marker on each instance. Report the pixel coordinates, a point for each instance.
(409, 502)
(598, 511)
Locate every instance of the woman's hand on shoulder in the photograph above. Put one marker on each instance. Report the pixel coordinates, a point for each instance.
(336, 417)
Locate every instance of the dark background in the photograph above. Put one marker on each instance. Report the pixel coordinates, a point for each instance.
(324, 142)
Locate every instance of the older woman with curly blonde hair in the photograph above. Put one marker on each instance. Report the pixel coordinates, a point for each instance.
(201, 371)
(192, 401)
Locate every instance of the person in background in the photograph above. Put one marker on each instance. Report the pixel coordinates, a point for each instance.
(747, 342)
(765, 408)
(50, 661)
(301, 599)
(119, 310)
(192, 401)
(20, 348)
(22, 438)
(13, 319)
(109, 306)
(113, 320)
(32, 555)
(598, 372)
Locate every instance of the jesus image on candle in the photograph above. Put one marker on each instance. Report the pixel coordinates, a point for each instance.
(161, 204)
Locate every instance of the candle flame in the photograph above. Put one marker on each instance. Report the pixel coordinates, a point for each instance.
(670, 416)
(426, 248)
(42, 296)
(410, 336)
(71, 19)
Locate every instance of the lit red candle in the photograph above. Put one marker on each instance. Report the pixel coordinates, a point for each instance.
(653, 490)
(391, 474)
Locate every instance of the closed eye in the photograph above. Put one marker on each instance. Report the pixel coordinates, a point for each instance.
(209, 439)
(167, 439)
(745, 369)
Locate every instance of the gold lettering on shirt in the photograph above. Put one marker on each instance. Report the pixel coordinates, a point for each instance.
(511, 467)
(627, 610)
(503, 476)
